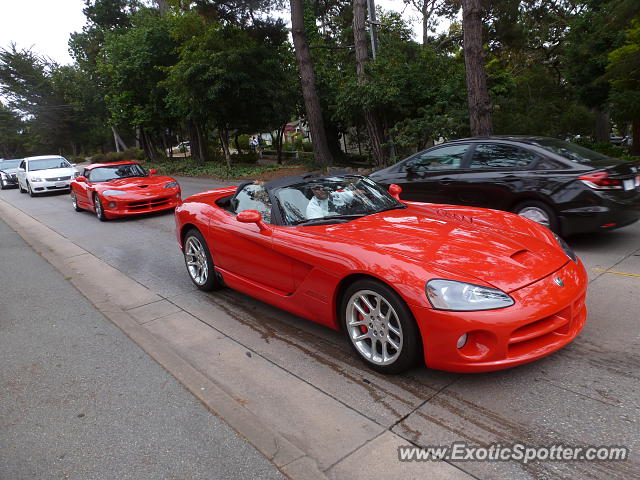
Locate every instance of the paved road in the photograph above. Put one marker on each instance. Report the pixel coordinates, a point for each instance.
(79, 400)
(585, 394)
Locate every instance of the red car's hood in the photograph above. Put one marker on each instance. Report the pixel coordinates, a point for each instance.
(135, 184)
(460, 240)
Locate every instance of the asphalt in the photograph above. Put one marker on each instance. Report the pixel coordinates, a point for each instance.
(80, 400)
(302, 382)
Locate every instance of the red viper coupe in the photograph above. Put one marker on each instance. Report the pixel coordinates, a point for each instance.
(467, 289)
(122, 188)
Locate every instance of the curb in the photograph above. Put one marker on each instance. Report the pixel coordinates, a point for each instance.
(89, 275)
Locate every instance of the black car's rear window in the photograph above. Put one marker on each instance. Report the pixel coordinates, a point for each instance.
(573, 152)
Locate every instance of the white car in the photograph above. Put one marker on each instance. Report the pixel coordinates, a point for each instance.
(47, 173)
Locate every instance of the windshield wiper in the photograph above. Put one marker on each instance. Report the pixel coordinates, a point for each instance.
(393, 207)
(313, 221)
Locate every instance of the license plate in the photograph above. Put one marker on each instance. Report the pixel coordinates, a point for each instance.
(629, 184)
(60, 184)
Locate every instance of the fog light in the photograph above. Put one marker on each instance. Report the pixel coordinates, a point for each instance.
(112, 204)
(462, 341)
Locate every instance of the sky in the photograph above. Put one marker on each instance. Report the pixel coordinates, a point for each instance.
(45, 25)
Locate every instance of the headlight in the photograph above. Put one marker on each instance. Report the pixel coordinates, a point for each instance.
(171, 185)
(459, 296)
(35, 179)
(112, 193)
(566, 248)
(3, 175)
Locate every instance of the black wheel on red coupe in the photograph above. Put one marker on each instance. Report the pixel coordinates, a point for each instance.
(74, 201)
(97, 203)
(199, 263)
(380, 327)
(538, 212)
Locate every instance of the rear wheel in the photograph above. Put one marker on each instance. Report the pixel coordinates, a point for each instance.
(538, 212)
(99, 210)
(380, 327)
(199, 263)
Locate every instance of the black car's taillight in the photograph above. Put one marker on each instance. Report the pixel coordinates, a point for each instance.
(601, 181)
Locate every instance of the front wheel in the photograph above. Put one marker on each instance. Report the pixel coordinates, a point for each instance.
(22, 190)
(98, 207)
(538, 212)
(30, 190)
(380, 327)
(74, 202)
(199, 263)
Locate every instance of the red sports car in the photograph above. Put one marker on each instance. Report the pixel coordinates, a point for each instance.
(467, 289)
(123, 188)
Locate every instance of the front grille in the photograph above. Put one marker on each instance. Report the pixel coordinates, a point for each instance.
(540, 332)
(148, 204)
(57, 179)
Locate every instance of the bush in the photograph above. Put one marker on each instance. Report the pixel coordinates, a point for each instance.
(99, 158)
(307, 146)
(133, 153)
(191, 168)
(248, 157)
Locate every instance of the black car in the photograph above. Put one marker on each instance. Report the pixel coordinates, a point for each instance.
(564, 186)
(8, 170)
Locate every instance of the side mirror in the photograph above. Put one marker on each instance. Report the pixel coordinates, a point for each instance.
(395, 191)
(152, 171)
(21, 169)
(81, 179)
(73, 164)
(252, 216)
(411, 168)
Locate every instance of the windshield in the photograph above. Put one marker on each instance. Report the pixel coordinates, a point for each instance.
(47, 163)
(572, 151)
(104, 174)
(7, 164)
(333, 199)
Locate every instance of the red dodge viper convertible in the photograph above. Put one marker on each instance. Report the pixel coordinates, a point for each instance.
(466, 289)
(122, 188)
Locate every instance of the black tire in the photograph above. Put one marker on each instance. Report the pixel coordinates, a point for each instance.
(30, 190)
(74, 201)
(197, 259)
(377, 329)
(97, 203)
(2, 185)
(533, 209)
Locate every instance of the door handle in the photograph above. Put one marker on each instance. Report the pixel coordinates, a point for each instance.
(446, 181)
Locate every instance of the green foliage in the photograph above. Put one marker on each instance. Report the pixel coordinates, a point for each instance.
(193, 168)
(624, 73)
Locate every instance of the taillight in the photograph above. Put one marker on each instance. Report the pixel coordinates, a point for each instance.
(637, 180)
(601, 181)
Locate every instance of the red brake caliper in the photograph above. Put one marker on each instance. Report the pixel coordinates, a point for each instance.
(363, 328)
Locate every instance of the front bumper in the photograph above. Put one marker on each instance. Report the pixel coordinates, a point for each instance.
(118, 207)
(544, 318)
(10, 181)
(50, 186)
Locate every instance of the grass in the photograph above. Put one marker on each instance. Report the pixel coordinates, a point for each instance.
(189, 167)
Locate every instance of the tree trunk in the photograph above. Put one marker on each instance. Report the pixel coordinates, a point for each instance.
(602, 125)
(477, 93)
(224, 140)
(237, 144)
(120, 145)
(374, 126)
(278, 143)
(635, 131)
(308, 82)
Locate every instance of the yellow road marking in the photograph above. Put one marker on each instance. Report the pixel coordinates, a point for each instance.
(617, 273)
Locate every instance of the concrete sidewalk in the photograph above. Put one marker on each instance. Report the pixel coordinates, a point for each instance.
(78, 399)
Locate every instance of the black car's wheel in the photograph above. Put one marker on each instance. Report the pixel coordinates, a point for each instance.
(74, 202)
(99, 210)
(538, 212)
(30, 190)
(199, 263)
(380, 327)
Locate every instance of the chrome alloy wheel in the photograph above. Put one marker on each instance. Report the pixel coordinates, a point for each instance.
(373, 327)
(196, 259)
(536, 214)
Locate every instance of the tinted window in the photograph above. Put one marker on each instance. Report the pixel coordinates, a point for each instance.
(253, 197)
(573, 152)
(547, 164)
(444, 158)
(501, 156)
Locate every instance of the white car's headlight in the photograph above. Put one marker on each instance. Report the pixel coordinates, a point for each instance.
(465, 297)
(566, 248)
(112, 193)
(35, 179)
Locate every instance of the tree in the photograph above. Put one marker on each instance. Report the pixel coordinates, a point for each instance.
(308, 83)
(374, 126)
(477, 92)
(623, 71)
